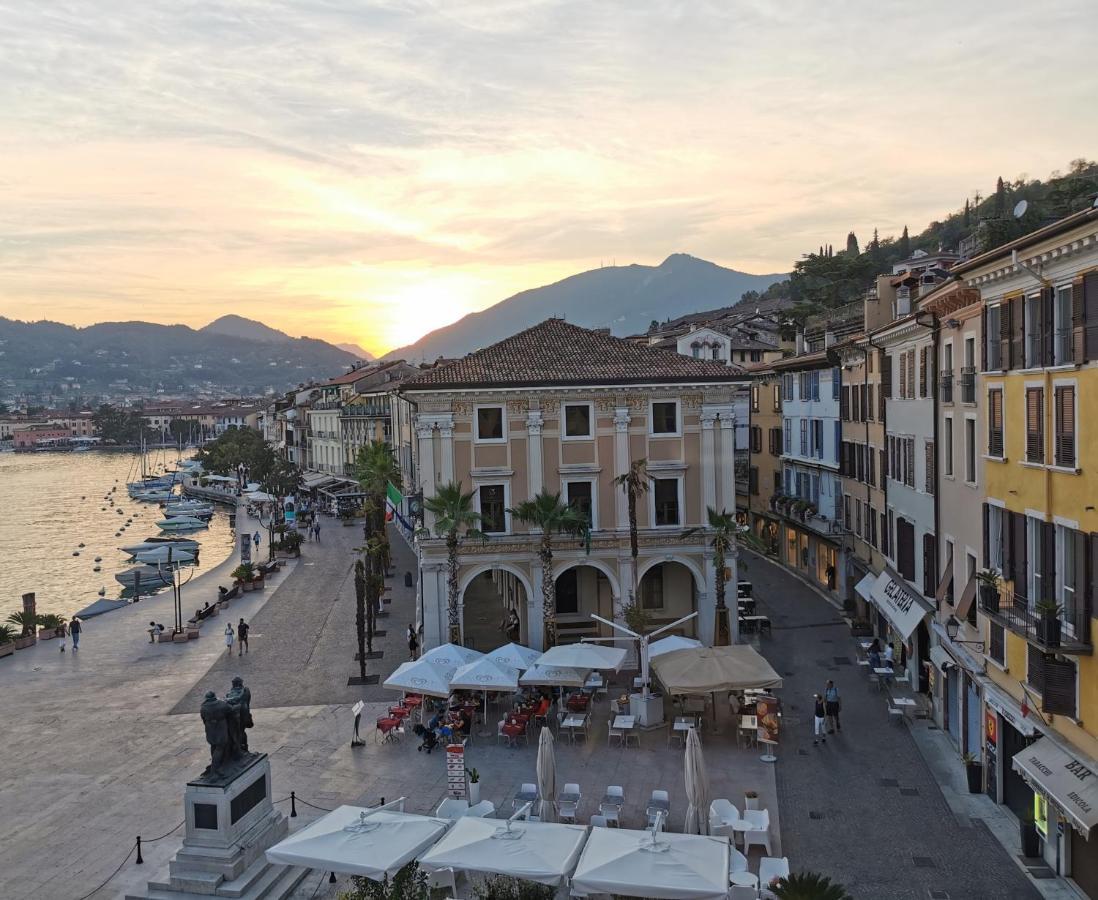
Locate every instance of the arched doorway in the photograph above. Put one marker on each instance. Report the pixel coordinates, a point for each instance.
(582, 590)
(486, 602)
(668, 591)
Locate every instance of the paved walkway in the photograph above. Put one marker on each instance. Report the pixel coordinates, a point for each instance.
(864, 808)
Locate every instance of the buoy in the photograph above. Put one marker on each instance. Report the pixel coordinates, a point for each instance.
(79, 545)
(118, 534)
(99, 559)
(103, 509)
(102, 591)
(97, 569)
(83, 497)
(75, 552)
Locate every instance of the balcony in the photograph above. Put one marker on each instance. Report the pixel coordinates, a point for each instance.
(1068, 634)
(946, 382)
(365, 410)
(968, 384)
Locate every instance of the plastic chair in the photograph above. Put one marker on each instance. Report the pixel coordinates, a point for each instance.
(452, 808)
(567, 809)
(443, 878)
(613, 732)
(599, 822)
(771, 867)
(612, 811)
(500, 736)
(737, 862)
(527, 788)
(741, 892)
(653, 811)
(759, 833)
(722, 813)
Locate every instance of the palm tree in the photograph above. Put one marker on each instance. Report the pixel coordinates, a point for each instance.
(376, 468)
(809, 886)
(635, 482)
(725, 531)
(360, 616)
(454, 518)
(547, 512)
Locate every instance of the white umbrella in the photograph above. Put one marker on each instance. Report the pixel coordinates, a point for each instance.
(583, 656)
(547, 777)
(535, 851)
(485, 675)
(421, 677)
(668, 644)
(554, 676)
(697, 786)
(515, 655)
(260, 496)
(622, 861)
(357, 841)
(452, 656)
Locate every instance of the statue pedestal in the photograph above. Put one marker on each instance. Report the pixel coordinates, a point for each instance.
(230, 823)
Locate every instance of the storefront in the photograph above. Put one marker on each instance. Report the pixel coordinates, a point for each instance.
(901, 622)
(1007, 733)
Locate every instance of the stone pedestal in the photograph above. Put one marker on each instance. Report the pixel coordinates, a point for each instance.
(230, 823)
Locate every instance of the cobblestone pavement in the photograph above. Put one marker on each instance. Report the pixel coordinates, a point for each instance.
(864, 808)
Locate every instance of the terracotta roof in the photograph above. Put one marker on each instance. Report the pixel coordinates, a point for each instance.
(557, 353)
(816, 360)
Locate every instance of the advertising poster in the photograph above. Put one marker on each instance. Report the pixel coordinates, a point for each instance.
(768, 717)
(245, 549)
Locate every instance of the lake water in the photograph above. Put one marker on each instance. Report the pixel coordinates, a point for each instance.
(50, 503)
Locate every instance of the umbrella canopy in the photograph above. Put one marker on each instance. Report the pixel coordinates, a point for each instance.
(583, 656)
(622, 861)
(554, 676)
(515, 655)
(545, 852)
(706, 669)
(668, 644)
(485, 674)
(164, 554)
(343, 841)
(547, 777)
(421, 677)
(451, 656)
(260, 496)
(697, 786)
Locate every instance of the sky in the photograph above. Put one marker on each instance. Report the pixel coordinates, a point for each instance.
(368, 172)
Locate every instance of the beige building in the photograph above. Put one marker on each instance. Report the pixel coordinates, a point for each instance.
(565, 409)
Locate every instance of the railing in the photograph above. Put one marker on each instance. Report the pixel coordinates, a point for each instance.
(366, 410)
(1067, 633)
(946, 382)
(968, 384)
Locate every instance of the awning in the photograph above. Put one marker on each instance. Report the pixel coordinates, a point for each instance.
(946, 582)
(1069, 781)
(903, 609)
(1006, 706)
(865, 587)
(966, 599)
(312, 480)
(941, 659)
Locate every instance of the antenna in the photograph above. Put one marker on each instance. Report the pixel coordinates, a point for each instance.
(1020, 208)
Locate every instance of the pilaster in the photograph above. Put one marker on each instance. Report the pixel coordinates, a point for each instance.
(534, 464)
(621, 463)
(535, 622)
(709, 463)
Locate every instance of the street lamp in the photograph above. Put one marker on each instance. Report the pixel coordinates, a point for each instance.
(269, 521)
(177, 582)
(953, 628)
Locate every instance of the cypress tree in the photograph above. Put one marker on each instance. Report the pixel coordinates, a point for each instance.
(852, 244)
(905, 245)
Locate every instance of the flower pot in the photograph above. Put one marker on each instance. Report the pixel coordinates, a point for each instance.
(258, 584)
(1049, 628)
(750, 802)
(46, 634)
(7, 649)
(474, 793)
(989, 598)
(247, 585)
(21, 643)
(974, 771)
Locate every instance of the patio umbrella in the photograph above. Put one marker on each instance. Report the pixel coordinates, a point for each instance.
(697, 786)
(584, 656)
(421, 677)
(703, 670)
(452, 656)
(667, 644)
(554, 676)
(547, 777)
(357, 841)
(260, 497)
(485, 675)
(515, 655)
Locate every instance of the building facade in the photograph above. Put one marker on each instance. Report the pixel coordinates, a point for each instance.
(765, 443)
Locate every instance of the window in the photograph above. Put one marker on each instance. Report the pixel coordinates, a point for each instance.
(787, 440)
(970, 450)
(947, 446)
(1035, 425)
(577, 420)
(493, 509)
(1032, 332)
(754, 398)
(968, 372)
(1035, 560)
(665, 417)
(651, 589)
(995, 423)
(818, 439)
(775, 441)
(835, 382)
(805, 385)
(903, 375)
(753, 480)
(717, 352)
(665, 496)
(489, 423)
(947, 572)
(787, 387)
(992, 340)
(997, 643)
(905, 548)
(928, 468)
(804, 437)
(696, 349)
(777, 399)
(869, 407)
(579, 498)
(756, 439)
(910, 375)
(1061, 345)
(1064, 443)
(567, 591)
(1065, 573)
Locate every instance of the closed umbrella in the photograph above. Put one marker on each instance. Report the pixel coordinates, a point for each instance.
(697, 786)
(547, 777)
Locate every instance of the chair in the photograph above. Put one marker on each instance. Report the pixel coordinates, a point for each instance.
(611, 811)
(759, 834)
(749, 729)
(599, 822)
(895, 714)
(771, 867)
(486, 809)
(567, 809)
(524, 794)
(613, 732)
(659, 802)
(499, 730)
(632, 735)
(722, 813)
(452, 808)
(740, 892)
(442, 878)
(737, 862)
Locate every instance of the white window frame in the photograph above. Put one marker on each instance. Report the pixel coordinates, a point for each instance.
(492, 482)
(652, 419)
(948, 437)
(680, 480)
(972, 452)
(590, 436)
(502, 407)
(594, 482)
(1064, 539)
(1058, 358)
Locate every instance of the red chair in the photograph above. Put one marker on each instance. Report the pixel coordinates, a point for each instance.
(399, 712)
(389, 729)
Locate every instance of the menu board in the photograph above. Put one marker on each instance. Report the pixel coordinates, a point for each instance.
(455, 770)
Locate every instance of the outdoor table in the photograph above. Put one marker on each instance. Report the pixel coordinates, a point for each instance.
(624, 723)
(865, 645)
(595, 681)
(906, 704)
(681, 724)
(389, 727)
(398, 712)
(572, 723)
(863, 662)
(512, 733)
(744, 879)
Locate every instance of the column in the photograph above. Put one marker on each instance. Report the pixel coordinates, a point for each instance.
(535, 467)
(535, 622)
(708, 463)
(621, 463)
(727, 473)
(446, 432)
(732, 591)
(625, 576)
(707, 602)
(425, 436)
(434, 605)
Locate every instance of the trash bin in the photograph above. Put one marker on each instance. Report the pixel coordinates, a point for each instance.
(407, 579)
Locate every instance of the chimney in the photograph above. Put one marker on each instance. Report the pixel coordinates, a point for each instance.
(829, 338)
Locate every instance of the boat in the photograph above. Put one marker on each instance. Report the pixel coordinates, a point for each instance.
(150, 576)
(187, 544)
(198, 510)
(152, 496)
(188, 504)
(188, 514)
(182, 523)
(164, 555)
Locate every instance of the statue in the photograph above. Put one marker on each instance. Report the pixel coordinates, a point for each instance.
(215, 717)
(240, 699)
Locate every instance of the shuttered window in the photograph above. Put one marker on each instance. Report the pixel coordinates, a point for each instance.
(903, 376)
(928, 450)
(1065, 426)
(1035, 425)
(995, 422)
(1035, 668)
(922, 370)
(1058, 695)
(997, 635)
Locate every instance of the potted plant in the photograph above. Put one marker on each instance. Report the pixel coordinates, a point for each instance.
(7, 640)
(409, 883)
(258, 577)
(507, 887)
(750, 799)
(974, 771)
(474, 787)
(807, 886)
(988, 581)
(809, 512)
(1049, 625)
(50, 626)
(26, 625)
(243, 575)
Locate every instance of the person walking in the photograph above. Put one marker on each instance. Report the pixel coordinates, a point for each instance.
(413, 641)
(316, 530)
(242, 630)
(229, 635)
(74, 629)
(255, 537)
(832, 705)
(818, 736)
(62, 631)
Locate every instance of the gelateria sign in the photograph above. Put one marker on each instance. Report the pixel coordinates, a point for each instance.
(1070, 783)
(898, 603)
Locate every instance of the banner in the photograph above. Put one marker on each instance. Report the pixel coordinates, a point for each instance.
(768, 718)
(393, 500)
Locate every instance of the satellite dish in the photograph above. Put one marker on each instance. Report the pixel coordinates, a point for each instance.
(1020, 208)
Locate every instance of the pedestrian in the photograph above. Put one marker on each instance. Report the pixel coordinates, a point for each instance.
(229, 634)
(832, 705)
(62, 630)
(818, 736)
(413, 641)
(74, 629)
(316, 530)
(255, 537)
(242, 635)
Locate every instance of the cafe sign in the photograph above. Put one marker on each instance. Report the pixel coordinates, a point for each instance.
(898, 603)
(1070, 783)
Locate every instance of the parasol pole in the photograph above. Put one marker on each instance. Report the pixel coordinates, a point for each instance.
(643, 640)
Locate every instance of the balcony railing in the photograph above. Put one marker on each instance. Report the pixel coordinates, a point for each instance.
(968, 384)
(1067, 633)
(366, 410)
(946, 381)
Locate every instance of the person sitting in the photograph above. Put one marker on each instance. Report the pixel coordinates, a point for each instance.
(874, 659)
(466, 724)
(152, 632)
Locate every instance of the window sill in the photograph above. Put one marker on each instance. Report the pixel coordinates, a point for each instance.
(1066, 470)
(998, 459)
(971, 484)
(998, 665)
(1026, 464)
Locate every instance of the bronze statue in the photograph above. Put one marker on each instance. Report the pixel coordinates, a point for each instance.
(215, 716)
(240, 699)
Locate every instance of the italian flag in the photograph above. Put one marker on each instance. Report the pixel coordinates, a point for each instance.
(393, 499)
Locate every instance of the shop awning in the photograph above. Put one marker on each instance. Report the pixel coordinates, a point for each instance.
(967, 598)
(941, 659)
(1069, 781)
(313, 480)
(864, 588)
(899, 604)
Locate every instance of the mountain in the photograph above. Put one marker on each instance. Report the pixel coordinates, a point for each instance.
(48, 359)
(356, 350)
(624, 298)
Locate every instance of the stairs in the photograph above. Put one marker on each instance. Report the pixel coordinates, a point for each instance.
(261, 881)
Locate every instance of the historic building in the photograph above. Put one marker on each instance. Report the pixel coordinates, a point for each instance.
(563, 409)
(765, 443)
(367, 414)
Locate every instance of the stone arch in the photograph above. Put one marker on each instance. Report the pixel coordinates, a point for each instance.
(482, 603)
(599, 564)
(699, 576)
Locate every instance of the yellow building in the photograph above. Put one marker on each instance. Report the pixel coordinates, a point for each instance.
(1039, 352)
(765, 443)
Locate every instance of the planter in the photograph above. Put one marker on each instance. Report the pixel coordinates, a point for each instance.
(975, 774)
(1049, 628)
(22, 643)
(46, 634)
(7, 649)
(258, 584)
(223, 604)
(750, 802)
(247, 585)
(474, 793)
(989, 598)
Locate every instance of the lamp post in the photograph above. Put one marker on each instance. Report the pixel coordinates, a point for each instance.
(269, 521)
(177, 581)
(953, 628)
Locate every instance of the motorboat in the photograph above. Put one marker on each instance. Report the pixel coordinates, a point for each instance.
(151, 496)
(150, 576)
(191, 546)
(201, 505)
(182, 523)
(171, 512)
(164, 555)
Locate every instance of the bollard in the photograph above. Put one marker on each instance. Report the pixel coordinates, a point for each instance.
(293, 805)
(140, 861)
(332, 878)
(407, 579)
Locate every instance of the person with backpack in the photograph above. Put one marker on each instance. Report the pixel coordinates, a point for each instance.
(832, 705)
(242, 630)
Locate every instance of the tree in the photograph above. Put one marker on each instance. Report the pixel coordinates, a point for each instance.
(455, 518)
(376, 468)
(546, 512)
(905, 244)
(118, 426)
(635, 482)
(360, 616)
(1000, 198)
(808, 886)
(967, 214)
(852, 244)
(409, 883)
(724, 530)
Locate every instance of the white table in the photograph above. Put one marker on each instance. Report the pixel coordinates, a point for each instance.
(572, 723)
(903, 701)
(624, 723)
(743, 879)
(865, 645)
(681, 724)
